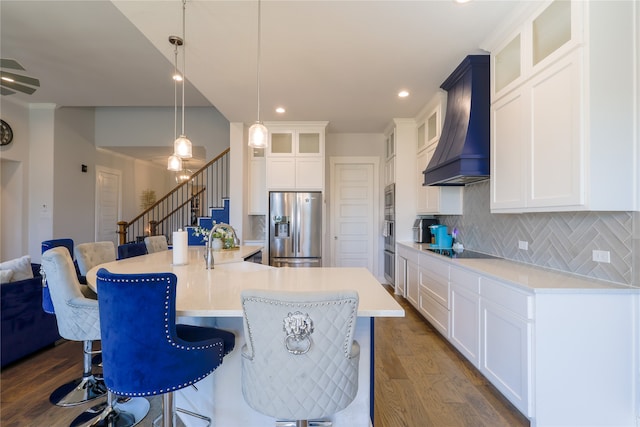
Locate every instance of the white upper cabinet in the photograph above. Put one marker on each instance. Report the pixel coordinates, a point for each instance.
(390, 158)
(257, 204)
(562, 113)
(295, 156)
(431, 199)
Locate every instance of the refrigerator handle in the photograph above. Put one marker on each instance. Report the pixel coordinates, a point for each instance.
(297, 248)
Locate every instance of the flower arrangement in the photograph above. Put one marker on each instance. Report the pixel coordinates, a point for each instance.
(222, 233)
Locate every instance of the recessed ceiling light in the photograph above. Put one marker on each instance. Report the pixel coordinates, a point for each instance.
(403, 94)
(461, 1)
(280, 110)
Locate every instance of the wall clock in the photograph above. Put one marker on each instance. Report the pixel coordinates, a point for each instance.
(6, 134)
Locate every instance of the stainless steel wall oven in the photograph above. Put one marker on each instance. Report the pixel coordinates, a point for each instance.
(389, 233)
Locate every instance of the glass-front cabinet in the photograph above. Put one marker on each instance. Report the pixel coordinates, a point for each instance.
(558, 81)
(295, 157)
(296, 143)
(551, 33)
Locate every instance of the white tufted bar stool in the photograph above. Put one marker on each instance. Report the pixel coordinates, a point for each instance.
(300, 361)
(78, 320)
(156, 244)
(88, 255)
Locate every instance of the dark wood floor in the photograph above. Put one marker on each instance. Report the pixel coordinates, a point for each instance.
(420, 381)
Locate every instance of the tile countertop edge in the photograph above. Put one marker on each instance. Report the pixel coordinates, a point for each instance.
(529, 277)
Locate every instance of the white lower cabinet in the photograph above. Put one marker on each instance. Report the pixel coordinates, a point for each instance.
(436, 313)
(505, 360)
(401, 275)
(565, 356)
(506, 324)
(413, 286)
(434, 292)
(407, 274)
(464, 331)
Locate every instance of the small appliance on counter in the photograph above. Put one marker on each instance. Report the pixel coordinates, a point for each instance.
(442, 240)
(421, 230)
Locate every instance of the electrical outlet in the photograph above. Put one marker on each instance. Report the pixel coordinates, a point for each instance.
(601, 256)
(523, 244)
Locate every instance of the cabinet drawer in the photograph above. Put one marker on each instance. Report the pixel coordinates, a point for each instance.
(410, 255)
(434, 312)
(434, 265)
(435, 285)
(514, 300)
(465, 279)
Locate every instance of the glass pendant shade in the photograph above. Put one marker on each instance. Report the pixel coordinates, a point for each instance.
(182, 147)
(258, 135)
(184, 175)
(174, 163)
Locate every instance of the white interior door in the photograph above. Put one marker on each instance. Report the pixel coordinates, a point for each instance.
(108, 204)
(354, 212)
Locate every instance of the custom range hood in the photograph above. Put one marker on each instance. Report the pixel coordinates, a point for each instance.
(462, 154)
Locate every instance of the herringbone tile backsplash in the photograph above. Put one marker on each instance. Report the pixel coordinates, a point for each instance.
(561, 241)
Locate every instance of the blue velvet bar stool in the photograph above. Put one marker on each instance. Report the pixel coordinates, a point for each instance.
(146, 355)
(78, 320)
(132, 249)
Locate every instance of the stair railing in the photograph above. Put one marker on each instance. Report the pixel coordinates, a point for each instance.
(182, 206)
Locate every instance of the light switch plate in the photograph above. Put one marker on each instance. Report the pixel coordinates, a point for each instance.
(523, 244)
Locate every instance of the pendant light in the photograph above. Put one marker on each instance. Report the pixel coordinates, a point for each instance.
(258, 133)
(182, 145)
(174, 163)
(182, 148)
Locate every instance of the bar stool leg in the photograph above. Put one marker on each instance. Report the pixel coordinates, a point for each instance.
(169, 410)
(83, 389)
(119, 412)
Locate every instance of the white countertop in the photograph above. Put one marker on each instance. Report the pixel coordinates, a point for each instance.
(528, 277)
(216, 292)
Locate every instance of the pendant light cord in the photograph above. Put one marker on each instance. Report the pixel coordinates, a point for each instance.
(184, 54)
(258, 67)
(175, 91)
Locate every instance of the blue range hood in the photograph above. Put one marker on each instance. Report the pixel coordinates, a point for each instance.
(462, 155)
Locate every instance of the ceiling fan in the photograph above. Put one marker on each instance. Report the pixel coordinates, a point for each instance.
(11, 83)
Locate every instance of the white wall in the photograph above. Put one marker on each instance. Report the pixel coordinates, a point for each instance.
(137, 175)
(46, 195)
(154, 127)
(14, 181)
(41, 175)
(74, 190)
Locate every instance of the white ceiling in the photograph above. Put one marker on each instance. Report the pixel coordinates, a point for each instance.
(340, 61)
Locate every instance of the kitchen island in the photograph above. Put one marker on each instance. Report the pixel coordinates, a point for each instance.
(212, 298)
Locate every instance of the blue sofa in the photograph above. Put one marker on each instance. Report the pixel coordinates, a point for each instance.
(24, 326)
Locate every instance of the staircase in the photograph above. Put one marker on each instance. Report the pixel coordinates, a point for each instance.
(184, 206)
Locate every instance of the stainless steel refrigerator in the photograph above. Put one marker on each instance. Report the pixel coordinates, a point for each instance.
(295, 229)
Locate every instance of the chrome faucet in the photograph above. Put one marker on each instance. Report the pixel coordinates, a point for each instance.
(208, 256)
